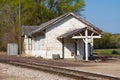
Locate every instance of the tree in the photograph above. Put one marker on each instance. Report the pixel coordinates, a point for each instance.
(40, 11)
(115, 40)
(108, 40)
(33, 12)
(104, 42)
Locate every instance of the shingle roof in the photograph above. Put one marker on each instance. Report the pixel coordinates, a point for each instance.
(71, 33)
(54, 21)
(28, 29)
(67, 34)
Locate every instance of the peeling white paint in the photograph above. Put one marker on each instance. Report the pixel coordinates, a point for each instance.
(45, 45)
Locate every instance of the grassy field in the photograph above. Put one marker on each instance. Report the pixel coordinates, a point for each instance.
(106, 51)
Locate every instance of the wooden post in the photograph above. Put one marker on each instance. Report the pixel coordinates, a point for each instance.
(20, 29)
(75, 47)
(62, 48)
(86, 45)
(92, 47)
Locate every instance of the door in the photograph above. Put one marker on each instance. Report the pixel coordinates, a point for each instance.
(89, 49)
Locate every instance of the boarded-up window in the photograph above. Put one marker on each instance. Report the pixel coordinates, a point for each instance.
(29, 44)
(42, 44)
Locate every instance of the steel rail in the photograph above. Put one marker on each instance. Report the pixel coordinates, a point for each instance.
(40, 65)
(64, 71)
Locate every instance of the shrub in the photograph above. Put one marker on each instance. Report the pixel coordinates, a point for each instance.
(115, 52)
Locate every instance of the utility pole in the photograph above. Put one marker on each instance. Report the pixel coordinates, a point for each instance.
(20, 29)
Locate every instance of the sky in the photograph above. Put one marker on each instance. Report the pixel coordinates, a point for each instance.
(104, 14)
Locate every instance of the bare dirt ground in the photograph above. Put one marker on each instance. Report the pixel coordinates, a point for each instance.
(109, 67)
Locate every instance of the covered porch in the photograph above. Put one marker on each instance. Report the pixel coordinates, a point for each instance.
(83, 42)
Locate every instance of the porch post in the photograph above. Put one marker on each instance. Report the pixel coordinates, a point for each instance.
(92, 47)
(86, 45)
(26, 42)
(62, 48)
(75, 47)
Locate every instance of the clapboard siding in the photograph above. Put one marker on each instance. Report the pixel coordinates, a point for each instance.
(26, 45)
(53, 45)
(80, 47)
(69, 47)
(61, 35)
(38, 46)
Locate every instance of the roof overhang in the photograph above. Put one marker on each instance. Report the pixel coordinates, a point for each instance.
(60, 18)
(78, 31)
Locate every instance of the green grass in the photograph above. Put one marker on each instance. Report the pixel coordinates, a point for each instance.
(105, 51)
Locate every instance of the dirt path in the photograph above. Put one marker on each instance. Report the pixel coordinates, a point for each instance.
(111, 67)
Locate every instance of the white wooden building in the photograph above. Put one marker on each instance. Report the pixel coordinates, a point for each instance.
(68, 35)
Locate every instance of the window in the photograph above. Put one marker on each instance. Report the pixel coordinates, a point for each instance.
(29, 44)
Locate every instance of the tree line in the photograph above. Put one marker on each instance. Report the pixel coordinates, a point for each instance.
(108, 41)
(33, 12)
(36, 12)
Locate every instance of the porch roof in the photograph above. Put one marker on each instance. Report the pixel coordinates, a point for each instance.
(73, 32)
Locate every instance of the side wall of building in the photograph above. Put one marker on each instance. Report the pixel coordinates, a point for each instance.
(45, 45)
(27, 46)
(80, 48)
(38, 46)
(69, 48)
(54, 45)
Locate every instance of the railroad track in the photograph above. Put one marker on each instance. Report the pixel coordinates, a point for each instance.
(79, 75)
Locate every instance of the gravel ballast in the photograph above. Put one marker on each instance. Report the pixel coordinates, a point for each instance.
(9, 72)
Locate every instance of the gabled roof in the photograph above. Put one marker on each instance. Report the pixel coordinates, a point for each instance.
(55, 20)
(71, 33)
(26, 30)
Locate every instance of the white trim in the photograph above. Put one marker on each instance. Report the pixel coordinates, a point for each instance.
(92, 34)
(77, 37)
(86, 45)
